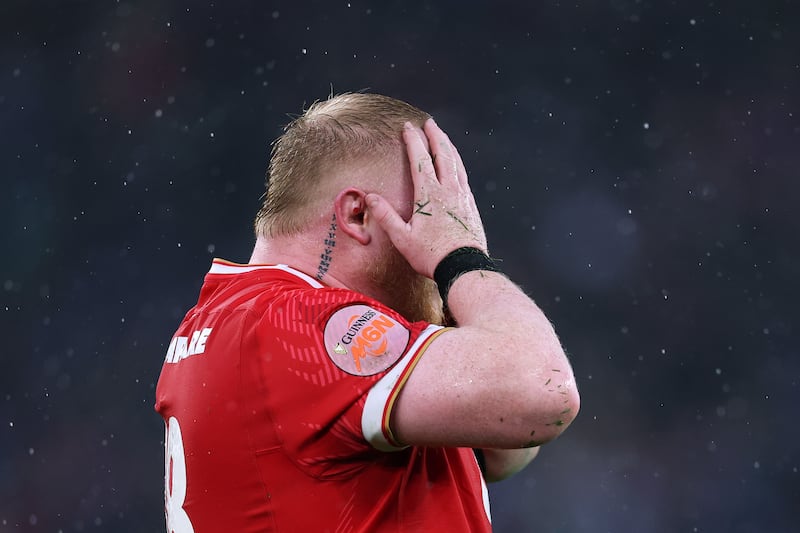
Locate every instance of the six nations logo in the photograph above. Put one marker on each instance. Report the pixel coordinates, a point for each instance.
(362, 341)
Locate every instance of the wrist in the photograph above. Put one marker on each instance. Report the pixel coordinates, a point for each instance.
(457, 263)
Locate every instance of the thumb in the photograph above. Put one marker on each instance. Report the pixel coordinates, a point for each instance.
(386, 217)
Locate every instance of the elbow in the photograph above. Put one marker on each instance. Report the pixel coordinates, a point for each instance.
(527, 405)
(571, 406)
(551, 410)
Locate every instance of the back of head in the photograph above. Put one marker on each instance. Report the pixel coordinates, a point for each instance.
(328, 137)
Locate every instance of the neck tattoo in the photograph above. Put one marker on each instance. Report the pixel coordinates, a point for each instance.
(329, 244)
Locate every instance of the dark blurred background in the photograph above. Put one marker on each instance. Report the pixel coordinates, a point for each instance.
(636, 163)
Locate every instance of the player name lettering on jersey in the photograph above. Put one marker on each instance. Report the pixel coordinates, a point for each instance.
(182, 347)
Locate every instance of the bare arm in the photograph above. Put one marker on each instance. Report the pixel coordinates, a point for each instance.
(500, 380)
(502, 464)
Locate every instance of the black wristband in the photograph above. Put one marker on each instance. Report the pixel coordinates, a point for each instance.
(457, 262)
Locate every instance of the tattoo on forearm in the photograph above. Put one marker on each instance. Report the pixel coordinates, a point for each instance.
(326, 256)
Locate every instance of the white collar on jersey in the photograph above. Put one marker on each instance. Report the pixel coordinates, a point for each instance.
(221, 266)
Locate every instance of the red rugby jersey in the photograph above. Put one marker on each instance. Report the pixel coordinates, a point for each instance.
(277, 391)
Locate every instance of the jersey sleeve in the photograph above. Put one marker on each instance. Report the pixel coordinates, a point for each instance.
(334, 362)
(380, 399)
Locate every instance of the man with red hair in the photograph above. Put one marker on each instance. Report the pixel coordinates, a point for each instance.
(370, 367)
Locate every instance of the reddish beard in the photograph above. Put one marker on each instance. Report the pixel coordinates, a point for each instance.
(411, 294)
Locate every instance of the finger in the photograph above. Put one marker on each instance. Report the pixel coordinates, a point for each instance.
(456, 167)
(462, 170)
(422, 168)
(388, 219)
(442, 151)
(459, 168)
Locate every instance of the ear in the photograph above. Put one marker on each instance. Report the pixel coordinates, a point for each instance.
(350, 206)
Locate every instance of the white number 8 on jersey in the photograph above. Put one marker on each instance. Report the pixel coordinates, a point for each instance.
(175, 480)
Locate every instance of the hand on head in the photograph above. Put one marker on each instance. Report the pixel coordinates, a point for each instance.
(444, 216)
